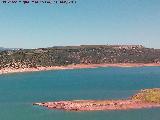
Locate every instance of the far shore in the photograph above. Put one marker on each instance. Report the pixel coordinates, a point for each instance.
(78, 66)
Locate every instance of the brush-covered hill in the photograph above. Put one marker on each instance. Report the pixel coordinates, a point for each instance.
(84, 54)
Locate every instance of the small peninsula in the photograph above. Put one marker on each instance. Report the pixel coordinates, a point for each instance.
(76, 57)
(147, 98)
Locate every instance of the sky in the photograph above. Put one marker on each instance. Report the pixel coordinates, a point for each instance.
(86, 22)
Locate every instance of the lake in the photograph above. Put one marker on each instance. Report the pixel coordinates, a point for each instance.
(18, 92)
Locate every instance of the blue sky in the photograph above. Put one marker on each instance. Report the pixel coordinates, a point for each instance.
(87, 22)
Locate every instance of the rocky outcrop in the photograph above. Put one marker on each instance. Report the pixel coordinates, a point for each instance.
(144, 99)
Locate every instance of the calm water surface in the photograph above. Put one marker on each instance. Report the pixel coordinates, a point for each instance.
(19, 91)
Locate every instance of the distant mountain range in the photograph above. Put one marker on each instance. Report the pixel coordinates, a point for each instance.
(2, 48)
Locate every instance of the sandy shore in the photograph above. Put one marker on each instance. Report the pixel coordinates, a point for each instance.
(97, 105)
(78, 66)
(145, 98)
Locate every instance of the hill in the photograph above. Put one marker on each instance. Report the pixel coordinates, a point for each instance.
(84, 54)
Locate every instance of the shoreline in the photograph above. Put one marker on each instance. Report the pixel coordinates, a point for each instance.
(97, 105)
(145, 98)
(78, 66)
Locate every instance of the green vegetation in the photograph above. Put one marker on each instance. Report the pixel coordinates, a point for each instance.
(148, 95)
(85, 54)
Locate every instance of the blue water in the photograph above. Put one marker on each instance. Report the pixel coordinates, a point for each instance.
(19, 91)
